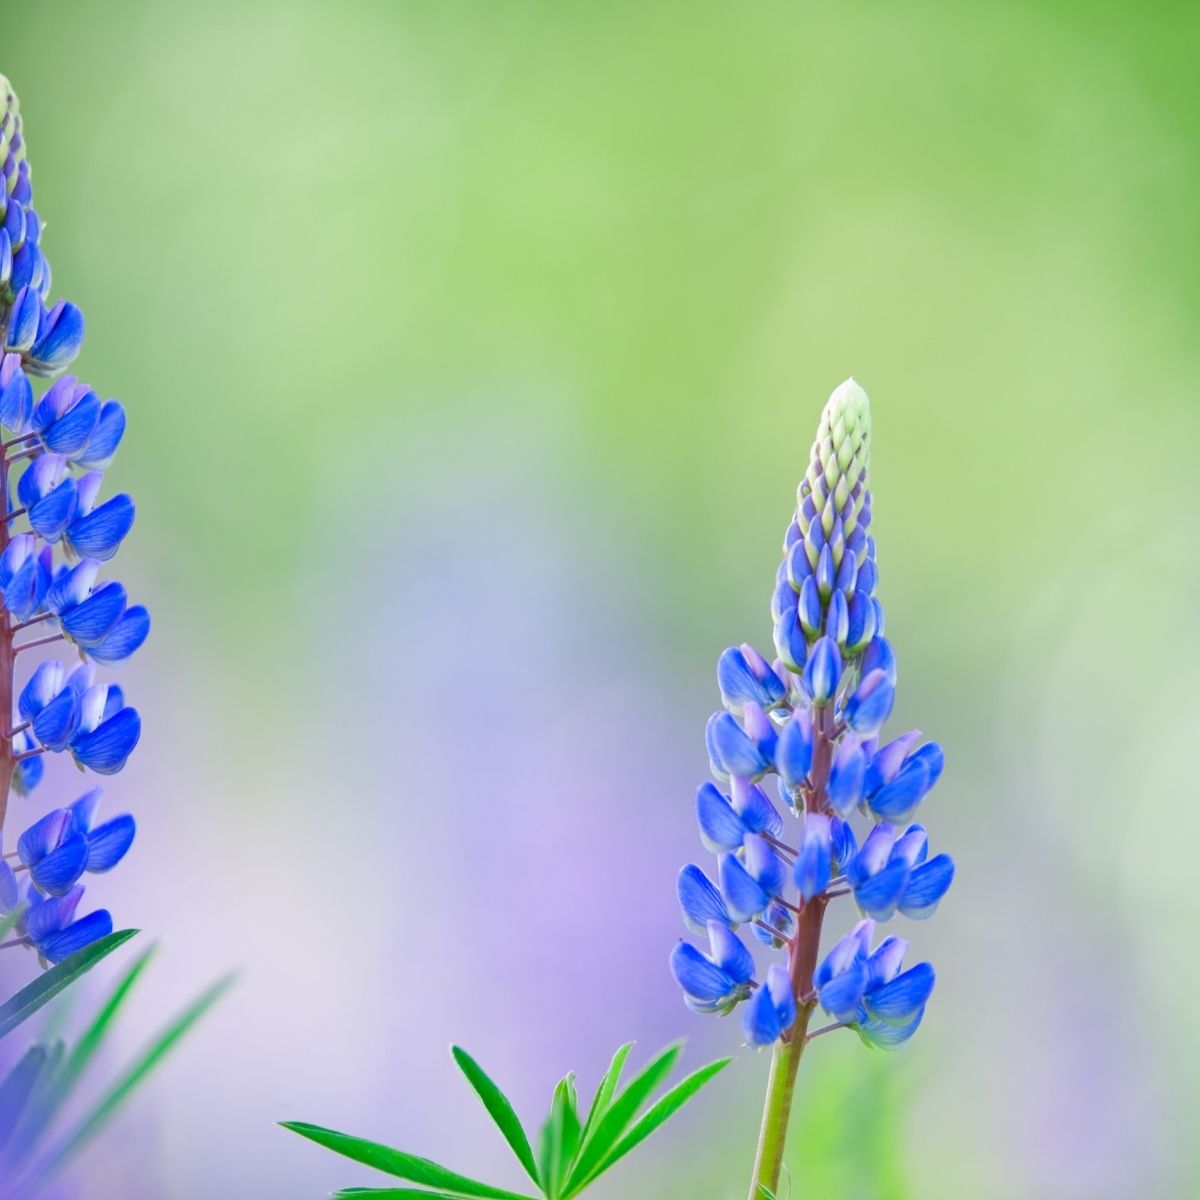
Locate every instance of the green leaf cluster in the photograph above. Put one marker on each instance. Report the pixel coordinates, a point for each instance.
(573, 1149)
(36, 1141)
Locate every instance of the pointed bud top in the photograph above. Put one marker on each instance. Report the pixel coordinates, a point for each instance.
(836, 480)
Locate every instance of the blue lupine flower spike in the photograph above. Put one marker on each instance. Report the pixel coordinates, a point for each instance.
(813, 719)
(57, 530)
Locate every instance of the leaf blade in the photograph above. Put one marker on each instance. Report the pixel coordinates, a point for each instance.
(500, 1109)
(605, 1089)
(659, 1113)
(398, 1162)
(29, 999)
(105, 1107)
(619, 1114)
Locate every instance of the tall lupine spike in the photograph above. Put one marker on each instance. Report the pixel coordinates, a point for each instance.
(56, 445)
(814, 720)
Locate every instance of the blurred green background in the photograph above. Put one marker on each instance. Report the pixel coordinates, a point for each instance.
(472, 353)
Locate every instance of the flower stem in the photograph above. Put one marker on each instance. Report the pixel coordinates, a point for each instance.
(802, 964)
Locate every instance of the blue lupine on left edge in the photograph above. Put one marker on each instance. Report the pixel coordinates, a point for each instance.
(812, 719)
(58, 439)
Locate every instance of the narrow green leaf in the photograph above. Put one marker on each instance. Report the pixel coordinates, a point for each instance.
(605, 1090)
(398, 1163)
(43, 989)
(90, 1041)
(104, 1108)
(662, 1110)
(38, 1111)
(499, 1109)
(559, 1138)
(620, 1112)
(766, 1193)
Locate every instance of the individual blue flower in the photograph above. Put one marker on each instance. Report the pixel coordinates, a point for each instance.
(25, 568)
(16, 394)
(50, 496)
(107, 731)
(717, 981)
(59, 338)
(53, 930)
(97, 531)
(771, 1011)
(66, 417)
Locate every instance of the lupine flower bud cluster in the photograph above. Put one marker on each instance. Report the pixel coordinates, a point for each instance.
(811, 722)
(58, 440)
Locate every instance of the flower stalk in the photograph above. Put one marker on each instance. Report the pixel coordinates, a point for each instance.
(812, 719)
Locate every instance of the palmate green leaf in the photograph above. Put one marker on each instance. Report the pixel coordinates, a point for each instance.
(605, 1090)
(559, 1139)
(619, 1114)
(499, 1109)
(661, 1111)
(59, 1083)
(400, 1164)
(105, 1108)
(43, 989)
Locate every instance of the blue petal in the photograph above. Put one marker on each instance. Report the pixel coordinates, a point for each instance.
(100, 533)
(808, 608)
(845, 952)
(108, 844)
(730, 953)
(699, 976)
(840, 996)
(887, 761)
(860, 622)
(699, 899)
(24, 316)
(89, 623)
(779, 986)
(743, 676)
(794, 749)
(824, 572)
(76, 936)
(125, 638)
(106, 748)
(102, 446)
(48, 917)
(765, 865)
(60, 870)
(754, 807)
(903, 998)
(874, 853)
(60, 341)
(871, 704)
(796, 566)
(898, 800)
(744, 897)
(790, 643)
(884, 964)
(43, 836)
(720, 827)
(814, 861)
(926, 886)
(883, 1036)
(837, 621)
(51, 515)
(72, 432)
(83, 810)
(845, 844)
(823, 671)
(912, 846)
(760, 1020)
(735, 752)
(930, 756)
(880, 894)
(879, 655)
(72, 586)
(16, 402)
(846, 777)
(55, 724)
(10, 891)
